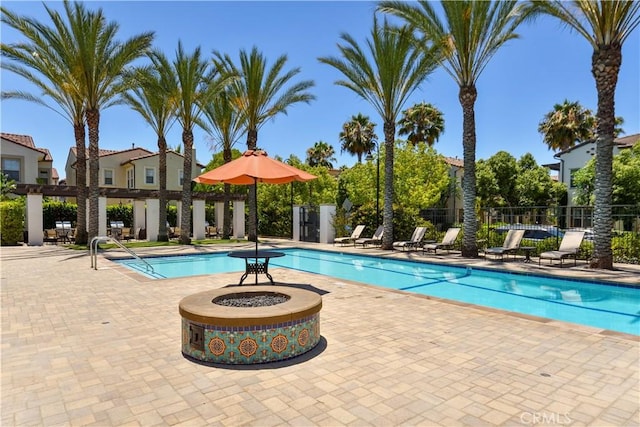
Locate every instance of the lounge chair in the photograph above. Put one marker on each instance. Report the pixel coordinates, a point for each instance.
(510, 245)
(447, 242)
(569, 247)
(350, 239)
(414, 242)
(376, 239)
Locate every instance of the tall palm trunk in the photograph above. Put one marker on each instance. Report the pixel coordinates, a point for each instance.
(387, 216)
(467, 96)
(162, 189)
(93, 123)
(605, 67)
(252, 142)
(81, 184)
(185, 221)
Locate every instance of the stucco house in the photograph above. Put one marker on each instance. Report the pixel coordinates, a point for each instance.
(135, 168)
(572, 160)
(25, 163)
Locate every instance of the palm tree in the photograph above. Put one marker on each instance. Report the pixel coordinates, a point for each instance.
(197, 84)
(386, 76)
(260, 94)
(225, 127)
(99, 64)
(358, 136)
(321, 154)
(150, 96)
(606, 24)
(422, 123)
(569, 123)
(46, 61)
(470, 34)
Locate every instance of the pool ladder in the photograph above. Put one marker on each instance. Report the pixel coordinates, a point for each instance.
(93, 251)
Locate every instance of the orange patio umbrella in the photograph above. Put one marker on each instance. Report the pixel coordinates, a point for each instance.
(252, 167)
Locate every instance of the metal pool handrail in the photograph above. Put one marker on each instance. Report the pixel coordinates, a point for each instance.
(93, 251)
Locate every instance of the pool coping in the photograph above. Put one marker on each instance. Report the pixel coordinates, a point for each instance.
(600, 331)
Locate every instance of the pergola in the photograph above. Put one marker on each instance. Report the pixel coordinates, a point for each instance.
(145, 208)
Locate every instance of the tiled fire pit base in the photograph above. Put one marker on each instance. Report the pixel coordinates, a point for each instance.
(248, 335)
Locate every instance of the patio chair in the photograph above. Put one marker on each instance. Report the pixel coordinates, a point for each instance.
(447, 242)
(414, 242)
(510, 245)
(375, 240)
(569, 247)
(50, 236)
(350, 239)
(211, 231)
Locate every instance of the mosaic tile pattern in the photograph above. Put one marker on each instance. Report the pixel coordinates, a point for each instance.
(250, 345)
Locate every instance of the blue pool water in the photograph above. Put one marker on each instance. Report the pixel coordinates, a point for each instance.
(595, 304)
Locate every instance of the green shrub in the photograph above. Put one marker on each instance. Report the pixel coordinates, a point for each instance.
(53, 211)
(626, 248)
(122, 213)
(11, 222)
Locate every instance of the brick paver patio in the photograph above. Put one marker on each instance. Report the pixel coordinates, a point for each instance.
(102, 347)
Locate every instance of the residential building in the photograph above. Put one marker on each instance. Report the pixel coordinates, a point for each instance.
(25, 163)
(572, 160)
(135, 168)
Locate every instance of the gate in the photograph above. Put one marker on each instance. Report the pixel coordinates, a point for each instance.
(309, 224)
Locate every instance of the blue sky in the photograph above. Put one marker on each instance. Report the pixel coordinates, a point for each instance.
(523, 81)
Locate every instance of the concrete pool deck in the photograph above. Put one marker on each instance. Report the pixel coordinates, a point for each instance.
(102, 347)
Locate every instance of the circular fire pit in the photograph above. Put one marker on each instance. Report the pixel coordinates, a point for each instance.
(251, 324)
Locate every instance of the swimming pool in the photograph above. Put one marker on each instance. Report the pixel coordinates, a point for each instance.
(588, 303)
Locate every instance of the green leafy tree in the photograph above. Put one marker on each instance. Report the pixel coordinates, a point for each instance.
(150, 96)
(487, 188)
(626, 179)
(568, 124)
(275, 201)
(533, 184)
(422, 123)
(605, 24)
(7, 186)
(470, 33)
(225, 126)
(259, 95)
(421, 179)
(197, 84)
(358, 136)
(503, 181)
(385, 75)
(321, 154)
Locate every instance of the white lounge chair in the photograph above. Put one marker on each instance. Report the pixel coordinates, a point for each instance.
(569, 247)
(447, 241)
(510, 245)
(376, 239)
(414, 242)
(350, 239)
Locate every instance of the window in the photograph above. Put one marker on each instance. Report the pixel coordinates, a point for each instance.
(180, 177)
(149, 176)
(107, 176)
(11, 168)
(572, 174)
(131, 182)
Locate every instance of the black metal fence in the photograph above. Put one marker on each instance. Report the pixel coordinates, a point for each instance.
(545, 226)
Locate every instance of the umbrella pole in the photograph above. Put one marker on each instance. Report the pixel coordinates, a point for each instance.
(255, 196)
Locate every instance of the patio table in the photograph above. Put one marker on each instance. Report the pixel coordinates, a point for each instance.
(256, 262)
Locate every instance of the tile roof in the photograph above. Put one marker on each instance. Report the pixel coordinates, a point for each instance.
(454, 161)
(26, 141)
